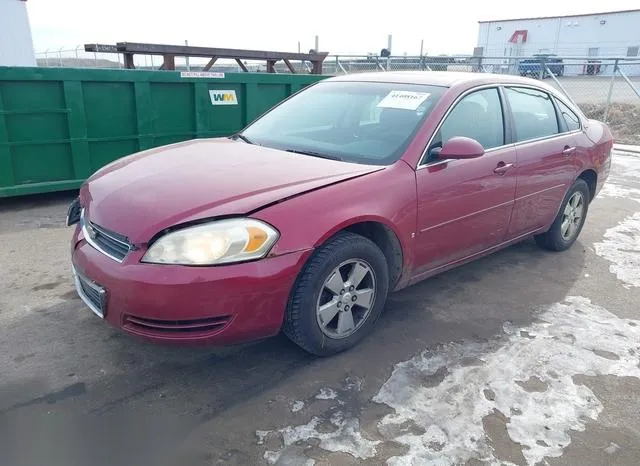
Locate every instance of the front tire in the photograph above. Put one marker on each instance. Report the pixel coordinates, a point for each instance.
(338, 296)
(569, 221)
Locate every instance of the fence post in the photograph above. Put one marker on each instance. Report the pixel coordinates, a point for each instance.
(626, 78)
(543, 68)
(610, 94)
(555, 79)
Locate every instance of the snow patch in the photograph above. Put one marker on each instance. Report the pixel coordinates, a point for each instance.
(628, 164)
(527, 375)
(612, 448)
(262, 435)
(297, 406)
(326, 394)
(618, 191)
(621, 246)
(353, 383)
(563, 346)
(345, 437)
(625, 172)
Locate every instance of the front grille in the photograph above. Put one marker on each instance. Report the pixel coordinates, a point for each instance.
(156, 327)
(113, 243)
(92, 294)
(108, 242)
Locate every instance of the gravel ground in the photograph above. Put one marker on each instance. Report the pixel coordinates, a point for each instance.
(524, 356)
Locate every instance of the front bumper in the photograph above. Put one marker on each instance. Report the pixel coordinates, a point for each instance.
(219, 305)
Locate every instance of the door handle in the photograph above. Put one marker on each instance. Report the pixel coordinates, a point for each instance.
(568, 150)
(503, 168)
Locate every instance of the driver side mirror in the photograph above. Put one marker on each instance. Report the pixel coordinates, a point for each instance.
(459, 147)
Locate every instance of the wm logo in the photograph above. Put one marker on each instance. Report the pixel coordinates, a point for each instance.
(223, 97)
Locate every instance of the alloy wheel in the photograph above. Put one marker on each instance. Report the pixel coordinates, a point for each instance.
(346, 299)
(572, 216)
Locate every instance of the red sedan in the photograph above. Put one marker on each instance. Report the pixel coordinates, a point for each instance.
(355, 187)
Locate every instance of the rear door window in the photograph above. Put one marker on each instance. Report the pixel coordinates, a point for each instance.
(534, 115)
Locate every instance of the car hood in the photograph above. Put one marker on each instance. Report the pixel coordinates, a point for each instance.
(144, 193)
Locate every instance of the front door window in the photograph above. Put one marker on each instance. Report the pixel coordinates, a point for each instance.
(478, 116)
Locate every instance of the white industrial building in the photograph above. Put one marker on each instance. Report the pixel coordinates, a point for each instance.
(593, 36)
(16, 44)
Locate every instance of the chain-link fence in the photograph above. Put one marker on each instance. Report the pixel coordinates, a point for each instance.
(585, 81)
(76, 57)
(605, 88)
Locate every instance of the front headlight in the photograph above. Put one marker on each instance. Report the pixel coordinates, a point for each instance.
(218, 242)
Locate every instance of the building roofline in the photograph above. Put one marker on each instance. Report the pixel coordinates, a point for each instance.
(559, 16)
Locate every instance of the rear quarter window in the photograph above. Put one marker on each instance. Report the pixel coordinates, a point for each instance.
(570, 118)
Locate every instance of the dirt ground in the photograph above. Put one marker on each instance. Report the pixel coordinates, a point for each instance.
(591, 94)
(523, 357)
(623, 119)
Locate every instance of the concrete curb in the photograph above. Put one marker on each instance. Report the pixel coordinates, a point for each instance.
(627, 148)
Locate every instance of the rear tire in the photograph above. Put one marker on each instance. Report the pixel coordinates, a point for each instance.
(338, 296)
(570, 219)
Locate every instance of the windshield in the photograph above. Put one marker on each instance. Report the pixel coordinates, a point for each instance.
(362, 122)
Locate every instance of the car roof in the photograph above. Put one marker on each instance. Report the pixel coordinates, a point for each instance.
(440, 78)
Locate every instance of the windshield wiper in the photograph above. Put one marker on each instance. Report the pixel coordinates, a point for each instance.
(314, 154)
(242, 137)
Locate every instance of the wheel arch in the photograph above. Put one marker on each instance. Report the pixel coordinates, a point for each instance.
(591, 178)
(383, 234)
(581, 176)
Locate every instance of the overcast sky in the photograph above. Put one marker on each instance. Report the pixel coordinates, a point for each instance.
(344, 26)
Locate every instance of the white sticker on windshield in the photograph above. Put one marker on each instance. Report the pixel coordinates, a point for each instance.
(404, 100)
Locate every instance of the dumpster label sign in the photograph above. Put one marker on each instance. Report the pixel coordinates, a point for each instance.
(223, 97)
(201, 74)
(404, 100)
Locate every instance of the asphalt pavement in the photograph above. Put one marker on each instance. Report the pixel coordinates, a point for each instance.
(521, 357)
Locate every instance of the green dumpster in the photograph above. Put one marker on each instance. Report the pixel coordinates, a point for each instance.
(59, 125)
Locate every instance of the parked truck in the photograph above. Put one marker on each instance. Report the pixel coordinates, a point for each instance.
(535, 67)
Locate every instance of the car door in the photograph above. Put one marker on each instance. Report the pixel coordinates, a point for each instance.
(464, 206)
(546, 163)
